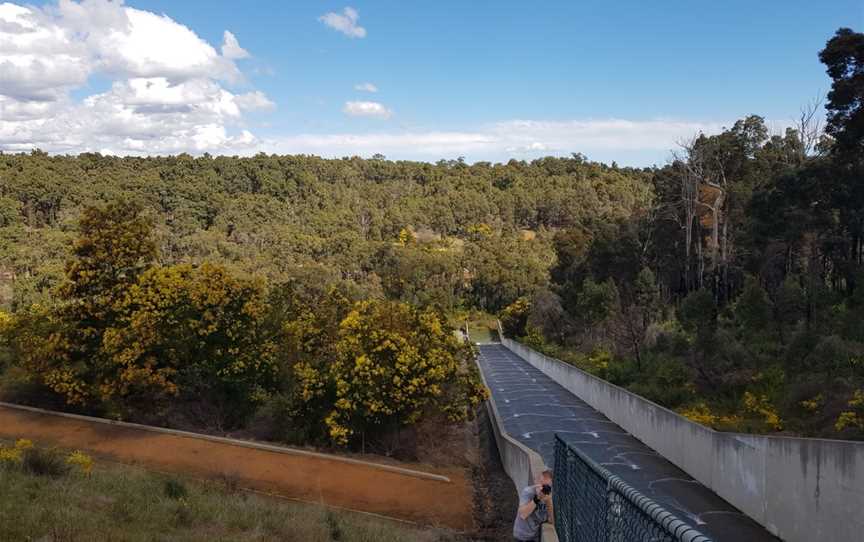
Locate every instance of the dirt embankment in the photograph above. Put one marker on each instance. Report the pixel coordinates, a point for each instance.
(495, 501)
(308, 478)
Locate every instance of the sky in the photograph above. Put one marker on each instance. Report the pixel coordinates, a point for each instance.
(620, 81)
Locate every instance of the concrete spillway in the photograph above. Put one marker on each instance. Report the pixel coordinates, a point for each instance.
(533, 408)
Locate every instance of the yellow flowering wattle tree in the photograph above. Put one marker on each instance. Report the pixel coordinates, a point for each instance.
(61, 346)
(6, 325)
(127, 337)
(196, 329)
(393, 363)
(123, 334)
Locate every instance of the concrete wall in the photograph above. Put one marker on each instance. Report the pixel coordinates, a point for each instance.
(521, 463)
(802, 490)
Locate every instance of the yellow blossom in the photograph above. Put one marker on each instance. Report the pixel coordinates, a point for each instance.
(81, 460)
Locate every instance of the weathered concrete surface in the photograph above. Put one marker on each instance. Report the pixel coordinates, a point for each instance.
(521, 463)
(533, 409)
(802, 490)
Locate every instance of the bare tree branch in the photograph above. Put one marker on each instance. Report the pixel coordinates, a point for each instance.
(809, 126)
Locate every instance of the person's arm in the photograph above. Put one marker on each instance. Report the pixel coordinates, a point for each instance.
(528, 508)
(550, 510)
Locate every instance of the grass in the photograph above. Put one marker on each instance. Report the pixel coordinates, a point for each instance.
(482, 327)
(121, 503)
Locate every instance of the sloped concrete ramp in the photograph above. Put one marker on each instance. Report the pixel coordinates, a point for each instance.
(533, 408)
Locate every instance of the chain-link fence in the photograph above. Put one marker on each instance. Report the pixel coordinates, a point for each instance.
(594, 505)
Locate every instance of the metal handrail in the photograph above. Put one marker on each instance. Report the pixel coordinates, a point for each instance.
(670, 527)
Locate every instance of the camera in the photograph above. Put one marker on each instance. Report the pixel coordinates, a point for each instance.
(546, 489)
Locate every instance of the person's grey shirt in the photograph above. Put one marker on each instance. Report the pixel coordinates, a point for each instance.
(529, 529)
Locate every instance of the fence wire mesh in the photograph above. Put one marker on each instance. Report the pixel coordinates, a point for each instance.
(594, 505)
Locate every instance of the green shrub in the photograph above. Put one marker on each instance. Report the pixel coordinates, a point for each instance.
(671, 339)
(621, 371)
(514, 317)
(698, 313)
(333, 525)
(44, 462)
(534, 339)
(16, 386)
(665, 381)
(175, 489)
(285, 417)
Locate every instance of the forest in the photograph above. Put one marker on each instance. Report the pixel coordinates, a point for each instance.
(314, 300)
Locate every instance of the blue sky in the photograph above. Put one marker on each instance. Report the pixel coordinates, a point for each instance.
(467, 70)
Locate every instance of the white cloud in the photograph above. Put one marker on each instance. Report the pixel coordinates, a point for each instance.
(170, 91)
(345, 23)
(139, 116)
(151, 45)
(607, 134)
(167, 92)
(527, 148)
(419, 145)
(628, 142)
(37, 58)
(366, 87)
(366, 109)
(231, 47)
(254, 100)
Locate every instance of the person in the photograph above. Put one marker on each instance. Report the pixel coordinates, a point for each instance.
(535, 506)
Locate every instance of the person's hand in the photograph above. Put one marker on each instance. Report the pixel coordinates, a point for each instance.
(538, 494)
(538, 490)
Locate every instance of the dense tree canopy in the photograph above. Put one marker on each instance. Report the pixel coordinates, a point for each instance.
(127, 337)
(315, 297)
(276, 216)
(744, 314)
